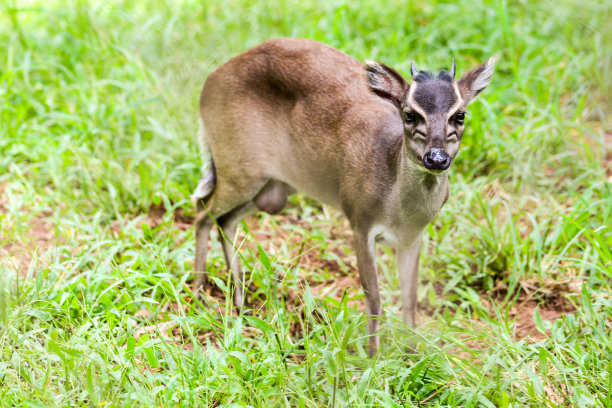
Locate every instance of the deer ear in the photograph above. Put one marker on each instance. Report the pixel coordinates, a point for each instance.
(473, 82)
(386, 82)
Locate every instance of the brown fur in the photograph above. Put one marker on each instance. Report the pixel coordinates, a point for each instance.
(294, 114)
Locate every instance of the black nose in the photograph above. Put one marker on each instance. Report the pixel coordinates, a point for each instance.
(436, 159)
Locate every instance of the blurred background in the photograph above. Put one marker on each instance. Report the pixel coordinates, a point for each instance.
(99, 155)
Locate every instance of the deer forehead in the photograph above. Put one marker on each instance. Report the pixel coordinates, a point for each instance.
(433, 98)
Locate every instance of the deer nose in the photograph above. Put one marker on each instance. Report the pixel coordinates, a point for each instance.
(436, 159)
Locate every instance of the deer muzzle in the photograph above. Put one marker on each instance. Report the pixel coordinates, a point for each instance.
(436, 159)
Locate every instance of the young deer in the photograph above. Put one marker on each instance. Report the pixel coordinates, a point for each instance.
(296, 115)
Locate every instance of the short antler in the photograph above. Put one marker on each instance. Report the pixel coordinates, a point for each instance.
(413, 69)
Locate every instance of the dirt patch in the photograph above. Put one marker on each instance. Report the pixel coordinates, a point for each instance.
(343, 286)
(293, 235)
(525, 323)
(272, 233)
(550, 297)
(290, 232)
(19, 254)
(157, 212)
(521, 314)
(551, 304)
(19, 250)
(306, 253)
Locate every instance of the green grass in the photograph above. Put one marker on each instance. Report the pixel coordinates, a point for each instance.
(98, 123)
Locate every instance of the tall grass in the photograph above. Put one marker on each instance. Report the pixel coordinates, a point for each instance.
(98, 157)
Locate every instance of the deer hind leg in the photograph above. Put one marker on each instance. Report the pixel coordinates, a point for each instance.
(272, 198)
(215, 198)
(203, 225)
(228, 225)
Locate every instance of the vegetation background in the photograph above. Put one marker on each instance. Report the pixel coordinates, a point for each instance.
(98, 157)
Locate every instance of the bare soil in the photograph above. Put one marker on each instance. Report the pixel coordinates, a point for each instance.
(305, 254)
(551, 300)
(18, 254)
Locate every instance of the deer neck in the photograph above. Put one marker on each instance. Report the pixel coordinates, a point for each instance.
(420, 192)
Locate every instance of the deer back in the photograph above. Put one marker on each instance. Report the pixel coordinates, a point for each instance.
(301, 112)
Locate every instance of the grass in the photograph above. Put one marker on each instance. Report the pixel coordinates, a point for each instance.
(98, 108)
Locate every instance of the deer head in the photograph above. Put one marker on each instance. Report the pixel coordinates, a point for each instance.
(432, 108)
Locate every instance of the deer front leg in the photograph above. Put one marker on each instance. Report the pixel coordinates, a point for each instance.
(366, 263)
(408, 265)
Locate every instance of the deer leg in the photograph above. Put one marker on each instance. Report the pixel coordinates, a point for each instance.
(366, 263)
(228, 225)
(408, 265)
(203, 225)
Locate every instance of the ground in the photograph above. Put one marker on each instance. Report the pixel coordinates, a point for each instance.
(99, 156)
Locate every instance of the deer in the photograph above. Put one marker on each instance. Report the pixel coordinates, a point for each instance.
(295, 115)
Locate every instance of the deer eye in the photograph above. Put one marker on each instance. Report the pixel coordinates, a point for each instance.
(410, 117)
(460, 117)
